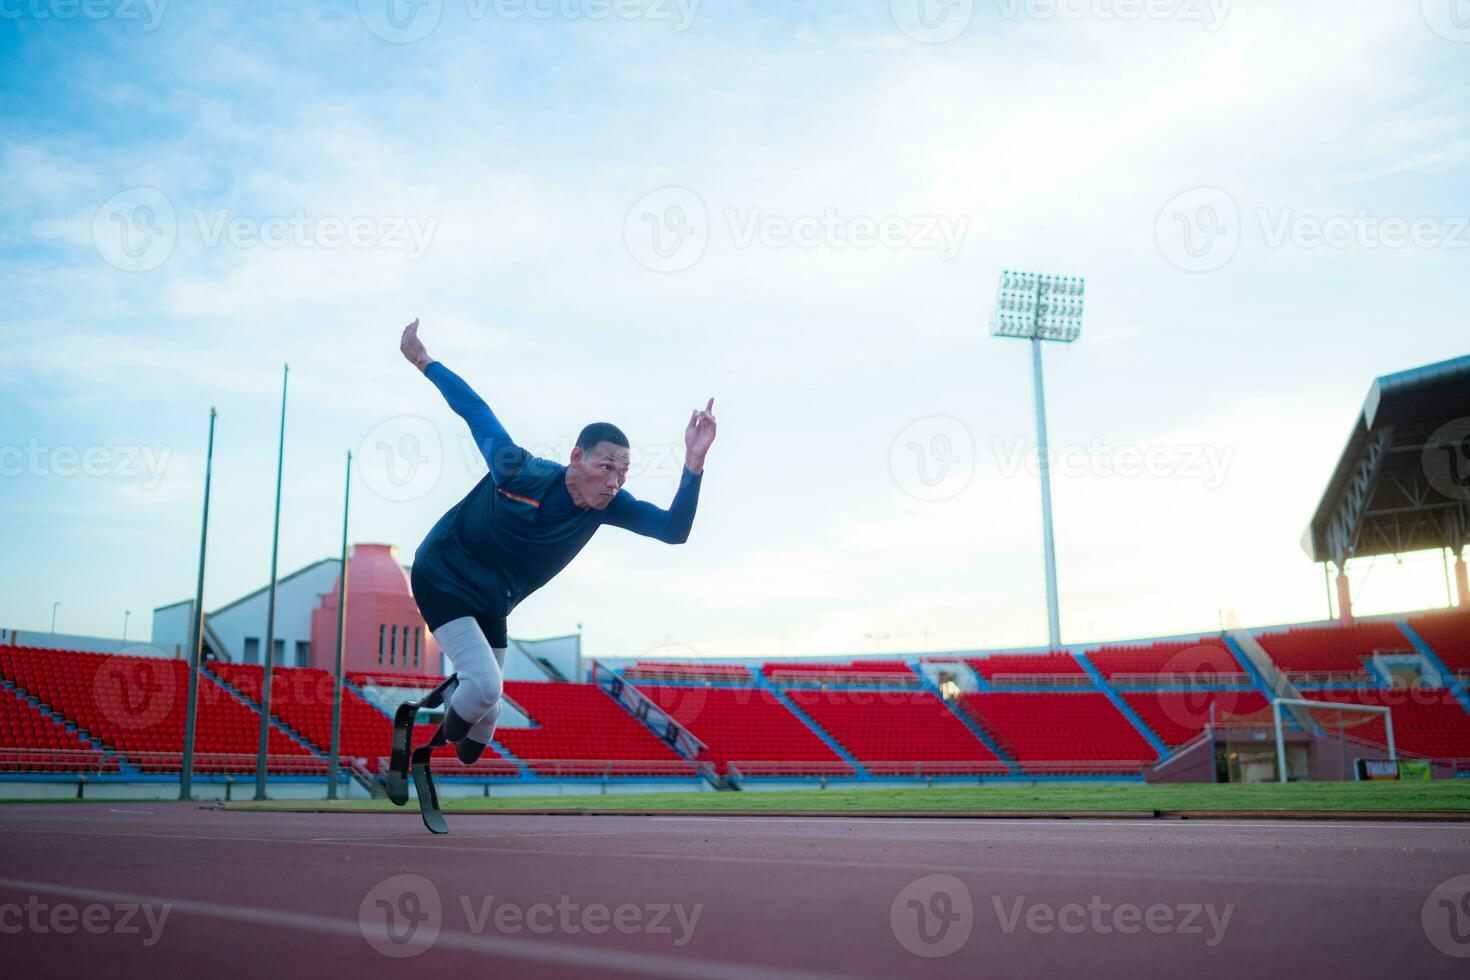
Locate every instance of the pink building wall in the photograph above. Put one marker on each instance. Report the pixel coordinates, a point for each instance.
(383, 621)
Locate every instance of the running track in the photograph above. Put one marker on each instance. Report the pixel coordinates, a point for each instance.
(289, 895)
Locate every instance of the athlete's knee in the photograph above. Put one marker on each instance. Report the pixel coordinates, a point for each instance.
(484, 687)
(484, 729)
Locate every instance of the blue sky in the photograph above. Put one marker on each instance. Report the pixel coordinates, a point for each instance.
(503, 176)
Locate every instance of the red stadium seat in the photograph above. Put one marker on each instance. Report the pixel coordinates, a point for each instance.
(748, 725)
(1060, 731)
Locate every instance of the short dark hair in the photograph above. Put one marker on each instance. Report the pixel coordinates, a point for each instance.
(601, 432)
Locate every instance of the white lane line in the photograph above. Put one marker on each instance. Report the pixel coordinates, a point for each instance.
(538, 950)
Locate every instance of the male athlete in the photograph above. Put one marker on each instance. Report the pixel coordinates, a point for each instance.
(515, 530)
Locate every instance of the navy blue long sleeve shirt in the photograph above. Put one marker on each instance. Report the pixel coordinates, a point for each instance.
(518, 526)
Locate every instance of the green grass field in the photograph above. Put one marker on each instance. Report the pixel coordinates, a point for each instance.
(1448, 795)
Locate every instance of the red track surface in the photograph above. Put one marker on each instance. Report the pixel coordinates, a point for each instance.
(289, 894)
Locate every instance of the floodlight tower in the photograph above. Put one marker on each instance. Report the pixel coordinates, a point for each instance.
(1036, 307)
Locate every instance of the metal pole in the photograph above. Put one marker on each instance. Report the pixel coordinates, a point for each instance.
(341, 632)
(126, 614)
(196, 632)
(1449, 593)
(53, 615)
(1053, 615)
(1388, 724)
(270, 609)
(1280, 742)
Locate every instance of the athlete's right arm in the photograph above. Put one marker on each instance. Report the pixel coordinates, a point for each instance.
(490, 436)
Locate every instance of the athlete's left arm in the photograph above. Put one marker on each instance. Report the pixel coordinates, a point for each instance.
(672, 525)
(641, 517)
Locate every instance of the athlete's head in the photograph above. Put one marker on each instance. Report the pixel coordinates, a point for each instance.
(599, 465)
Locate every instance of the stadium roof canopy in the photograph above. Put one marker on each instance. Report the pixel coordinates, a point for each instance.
(1403, 481)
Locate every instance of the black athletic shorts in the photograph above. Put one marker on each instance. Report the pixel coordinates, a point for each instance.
(439, 607)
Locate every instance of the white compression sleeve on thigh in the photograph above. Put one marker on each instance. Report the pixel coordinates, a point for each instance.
(484, 729)
(478, 667)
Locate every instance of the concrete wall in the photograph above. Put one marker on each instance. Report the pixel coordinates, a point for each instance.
(171, 628)
(296, 597)
(564, 653)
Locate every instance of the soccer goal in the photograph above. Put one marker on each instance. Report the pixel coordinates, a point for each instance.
(1323, 706)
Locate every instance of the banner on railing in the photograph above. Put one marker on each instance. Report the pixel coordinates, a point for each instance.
(662, 724)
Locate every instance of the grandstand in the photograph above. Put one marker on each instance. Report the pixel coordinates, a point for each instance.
(1112, 712)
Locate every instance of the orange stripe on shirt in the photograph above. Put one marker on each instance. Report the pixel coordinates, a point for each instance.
(516, 496)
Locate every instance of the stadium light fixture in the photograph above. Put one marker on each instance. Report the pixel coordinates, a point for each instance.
(1036, 307)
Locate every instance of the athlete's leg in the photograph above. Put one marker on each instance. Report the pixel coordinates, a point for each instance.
(472, 746)
(479, 668)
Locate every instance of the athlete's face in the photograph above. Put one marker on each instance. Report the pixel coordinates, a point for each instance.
(594, 476)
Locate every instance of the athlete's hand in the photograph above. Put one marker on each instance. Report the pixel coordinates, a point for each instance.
(413, 348)
(699, 434)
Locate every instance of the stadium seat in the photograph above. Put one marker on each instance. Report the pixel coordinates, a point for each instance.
(1057, 731)
(301, 697)
(658, 670)
(33, 742)
(1176, 717)
(580, 731)
(1057, 668)
(1331, 652)
(1203, 660)
(749, 727)
(1448, 635)
(899, 733)
(137, 706)
(886, 673)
